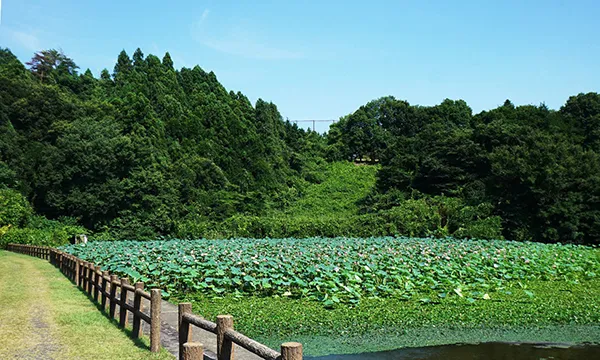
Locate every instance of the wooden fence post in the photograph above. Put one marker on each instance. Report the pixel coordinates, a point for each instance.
(185, 328)
(84, 272)
(104, 289)
(122, 310)
(291, 351)
(76, 264)
(90, 277)
(155, 305)
(72, 268)
(224, 346)
(81, 274)
(96, 282)
(137, 305)
(113, 296)
(192, 351)
(67, 266)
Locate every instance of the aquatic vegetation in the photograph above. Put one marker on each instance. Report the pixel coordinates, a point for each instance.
(343, 270)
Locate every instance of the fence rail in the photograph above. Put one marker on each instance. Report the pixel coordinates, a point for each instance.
(113, 293)
(107, 290)
(226, 338)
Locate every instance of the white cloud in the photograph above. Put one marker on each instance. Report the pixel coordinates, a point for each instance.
(204, 15)
(241, 42)
(26, 40)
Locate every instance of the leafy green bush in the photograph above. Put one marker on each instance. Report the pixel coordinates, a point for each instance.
(14, 208)
(41, 231)
(438, 217)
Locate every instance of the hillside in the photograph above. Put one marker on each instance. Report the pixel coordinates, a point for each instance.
(149, 151)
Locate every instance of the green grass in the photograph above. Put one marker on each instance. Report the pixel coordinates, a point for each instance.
(559, 311)
(43, 315)
(344, 184)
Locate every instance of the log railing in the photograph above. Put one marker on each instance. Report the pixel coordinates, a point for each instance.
(226, 338)
(114, 295)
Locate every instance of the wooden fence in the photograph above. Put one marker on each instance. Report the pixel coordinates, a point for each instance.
(226, 338)
(107, 290)
(110, 291)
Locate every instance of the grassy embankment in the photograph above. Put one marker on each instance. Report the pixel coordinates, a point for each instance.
(44, 316)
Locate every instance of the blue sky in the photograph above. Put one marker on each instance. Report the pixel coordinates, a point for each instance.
(323, 59)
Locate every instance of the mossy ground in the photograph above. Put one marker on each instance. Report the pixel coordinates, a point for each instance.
(557, 312)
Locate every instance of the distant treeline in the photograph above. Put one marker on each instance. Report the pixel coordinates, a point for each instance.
(147, 151)
(536, 168)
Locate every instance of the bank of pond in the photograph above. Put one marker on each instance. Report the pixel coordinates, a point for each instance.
(485, 351)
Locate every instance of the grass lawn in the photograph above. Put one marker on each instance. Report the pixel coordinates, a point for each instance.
(559, 311)
(43, 315)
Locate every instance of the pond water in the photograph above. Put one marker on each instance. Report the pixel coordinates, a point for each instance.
(485, 351)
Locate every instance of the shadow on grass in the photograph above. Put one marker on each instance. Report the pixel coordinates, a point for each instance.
(138, 342)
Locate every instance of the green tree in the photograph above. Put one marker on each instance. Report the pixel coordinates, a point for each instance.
(44, 63)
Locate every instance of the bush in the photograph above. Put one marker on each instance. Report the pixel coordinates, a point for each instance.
(425, 217)
(15, 210)
(41, 231)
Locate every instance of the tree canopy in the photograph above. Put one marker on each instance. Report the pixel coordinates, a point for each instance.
(148, 150)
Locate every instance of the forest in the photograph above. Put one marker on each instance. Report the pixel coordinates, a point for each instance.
(147, 151)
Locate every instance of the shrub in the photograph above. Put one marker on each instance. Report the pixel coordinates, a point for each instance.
(14, 208)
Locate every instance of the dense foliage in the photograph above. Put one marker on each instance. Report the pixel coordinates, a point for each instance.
(341, 269)
(535, 168)
(149, 151)
(138, 152)
(18, 223)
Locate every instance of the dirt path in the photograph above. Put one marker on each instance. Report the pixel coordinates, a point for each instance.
(27, 330)
(45, 316)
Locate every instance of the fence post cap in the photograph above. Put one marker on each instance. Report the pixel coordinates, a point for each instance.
(224, 317)
(291, 344)
(193, 344)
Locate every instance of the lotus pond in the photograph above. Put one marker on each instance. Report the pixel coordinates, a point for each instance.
(342, 270)
(340, 296)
